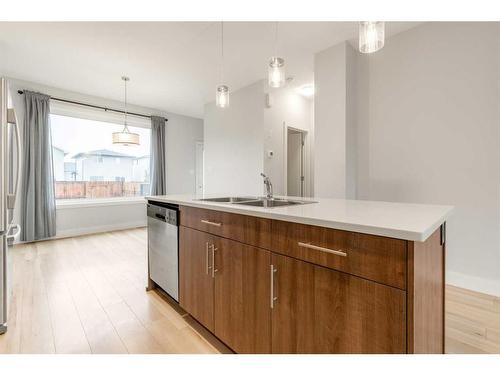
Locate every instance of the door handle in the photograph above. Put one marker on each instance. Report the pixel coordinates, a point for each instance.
(207, 248)
(214, 270)
(273, 298)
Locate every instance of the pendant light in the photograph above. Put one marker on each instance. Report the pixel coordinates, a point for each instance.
(276, 68)
(371, 36)
(125, 137)
(222, 90)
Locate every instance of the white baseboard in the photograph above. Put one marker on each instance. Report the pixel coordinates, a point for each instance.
(99, 229)
(478, 284)
(91, 230)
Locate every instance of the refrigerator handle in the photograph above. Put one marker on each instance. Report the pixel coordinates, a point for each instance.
(12, 118)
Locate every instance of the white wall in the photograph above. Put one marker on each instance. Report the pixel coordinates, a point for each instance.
(238, 138)
(351, 122)
(181, 135)
(334, 123)
(234, 143)
(77, 220)
(431, 135)
(288, 108)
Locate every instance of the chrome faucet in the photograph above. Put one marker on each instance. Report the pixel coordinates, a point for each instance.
(269, 186)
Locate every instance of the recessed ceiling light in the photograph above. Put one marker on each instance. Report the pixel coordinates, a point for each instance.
(307, 90)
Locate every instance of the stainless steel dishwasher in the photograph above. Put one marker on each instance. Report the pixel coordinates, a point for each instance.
(163, 246)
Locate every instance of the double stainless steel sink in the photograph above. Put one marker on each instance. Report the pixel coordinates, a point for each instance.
(257, 201)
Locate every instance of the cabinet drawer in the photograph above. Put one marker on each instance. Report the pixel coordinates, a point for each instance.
(247, 229)
(375, 258)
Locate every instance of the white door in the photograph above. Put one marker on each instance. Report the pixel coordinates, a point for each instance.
(199, 168)
(295, 157)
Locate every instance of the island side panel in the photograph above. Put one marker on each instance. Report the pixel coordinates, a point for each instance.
(426, 267)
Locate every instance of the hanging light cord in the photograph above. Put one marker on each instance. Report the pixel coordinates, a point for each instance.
(125, 129)
(222, 52)
(276, 39)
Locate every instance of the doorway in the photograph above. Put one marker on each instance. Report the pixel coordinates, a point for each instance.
(295, 162)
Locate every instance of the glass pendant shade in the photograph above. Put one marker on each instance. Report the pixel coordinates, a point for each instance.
(371, 36)
(222, 96)
(126, 138)
(276, 72)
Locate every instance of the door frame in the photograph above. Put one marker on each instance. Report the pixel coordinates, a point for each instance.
(306, 159)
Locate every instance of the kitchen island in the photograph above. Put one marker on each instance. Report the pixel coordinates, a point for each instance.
(326, 276)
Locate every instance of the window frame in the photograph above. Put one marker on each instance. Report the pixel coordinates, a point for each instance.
(93, 114)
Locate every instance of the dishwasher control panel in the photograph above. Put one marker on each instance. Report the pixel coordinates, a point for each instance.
(166, 214)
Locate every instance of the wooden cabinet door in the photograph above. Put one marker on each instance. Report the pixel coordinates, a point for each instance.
(318, 310)
(196, 284)
(242, 297)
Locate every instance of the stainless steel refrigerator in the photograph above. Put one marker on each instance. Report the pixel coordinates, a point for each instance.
(10, 174)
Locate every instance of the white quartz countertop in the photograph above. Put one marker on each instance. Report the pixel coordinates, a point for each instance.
(408, 221)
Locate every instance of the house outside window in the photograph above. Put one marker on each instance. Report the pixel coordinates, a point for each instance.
(88, 166)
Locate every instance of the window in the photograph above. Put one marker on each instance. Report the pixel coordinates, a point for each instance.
(88, 165)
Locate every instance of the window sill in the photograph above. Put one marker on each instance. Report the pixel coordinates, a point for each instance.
(84, 203)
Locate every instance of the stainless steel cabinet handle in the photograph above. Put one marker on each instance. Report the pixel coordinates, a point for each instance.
(211, 223)
(207, 257)
(214, 270)
(273, 298)
(324, 249)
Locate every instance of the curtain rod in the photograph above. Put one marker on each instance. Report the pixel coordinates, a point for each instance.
(106, 109)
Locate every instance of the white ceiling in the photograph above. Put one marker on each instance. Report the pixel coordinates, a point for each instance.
(173, 66)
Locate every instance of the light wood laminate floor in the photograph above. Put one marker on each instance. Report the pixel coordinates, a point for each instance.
(86, 295)
(472, 322)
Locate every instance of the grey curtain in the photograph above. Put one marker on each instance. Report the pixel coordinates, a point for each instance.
(38, 205)
(157, 167)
